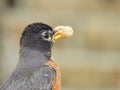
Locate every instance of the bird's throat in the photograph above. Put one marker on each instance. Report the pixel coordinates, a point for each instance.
(32, 58)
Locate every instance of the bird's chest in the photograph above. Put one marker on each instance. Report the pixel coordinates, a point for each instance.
(57, 79)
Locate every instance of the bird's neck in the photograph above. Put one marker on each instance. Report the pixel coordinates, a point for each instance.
(32, 58)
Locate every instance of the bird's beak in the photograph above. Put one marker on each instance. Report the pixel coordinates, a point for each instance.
(61, 32)
(57, 35)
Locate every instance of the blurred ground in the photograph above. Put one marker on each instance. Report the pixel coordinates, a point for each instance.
(90, 60)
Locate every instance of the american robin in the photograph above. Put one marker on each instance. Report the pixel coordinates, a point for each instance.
(36, 69)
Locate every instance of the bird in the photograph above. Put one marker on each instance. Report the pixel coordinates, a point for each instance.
(36, 68)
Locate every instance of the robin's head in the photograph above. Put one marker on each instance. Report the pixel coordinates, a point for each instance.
(40, 36)
(37, 36)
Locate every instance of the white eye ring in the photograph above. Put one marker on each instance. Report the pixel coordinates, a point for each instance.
(46, 36)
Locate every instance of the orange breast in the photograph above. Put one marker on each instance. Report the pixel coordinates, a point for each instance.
(57, 80)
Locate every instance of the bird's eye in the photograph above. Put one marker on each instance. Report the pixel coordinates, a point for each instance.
(45, 35)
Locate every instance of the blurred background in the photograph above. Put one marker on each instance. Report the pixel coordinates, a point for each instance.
(90, 60)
